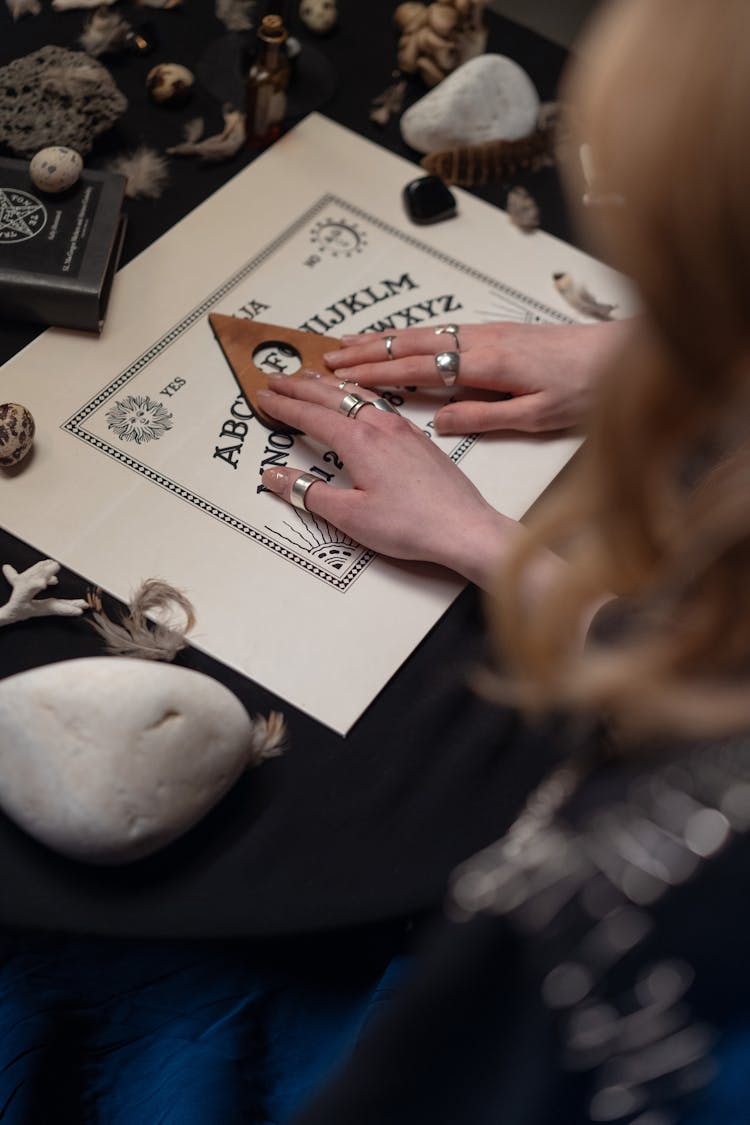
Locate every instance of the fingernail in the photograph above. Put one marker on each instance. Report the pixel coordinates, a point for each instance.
(441, 422)
(310, 373)
(264, 393)
(331, 357)
(274, 479)
(348, 339)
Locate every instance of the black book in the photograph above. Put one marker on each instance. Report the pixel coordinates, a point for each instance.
(59, 253)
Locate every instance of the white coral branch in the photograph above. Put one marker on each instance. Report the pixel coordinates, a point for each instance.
(23, 603)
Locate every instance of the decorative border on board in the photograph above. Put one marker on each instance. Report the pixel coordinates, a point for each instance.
(313, 542)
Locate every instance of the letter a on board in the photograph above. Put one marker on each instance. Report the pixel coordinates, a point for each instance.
(254, 350)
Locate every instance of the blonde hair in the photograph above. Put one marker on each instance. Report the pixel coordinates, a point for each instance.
(658, 506)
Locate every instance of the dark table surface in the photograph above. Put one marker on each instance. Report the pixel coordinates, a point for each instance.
(338, 831)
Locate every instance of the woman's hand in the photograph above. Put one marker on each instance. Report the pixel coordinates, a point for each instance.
(408, 499)
(530, 377)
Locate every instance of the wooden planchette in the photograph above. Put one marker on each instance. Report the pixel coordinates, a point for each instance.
(254, 350)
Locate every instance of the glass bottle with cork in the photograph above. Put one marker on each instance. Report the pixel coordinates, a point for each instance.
(267, 84)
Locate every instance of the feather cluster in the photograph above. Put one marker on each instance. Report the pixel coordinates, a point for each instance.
(522, 209)
(219, 146)
(136, 635)
(236, 15)
(18, 8)
(474, 165)
(104, 33)
(579, 298)
(145, 170)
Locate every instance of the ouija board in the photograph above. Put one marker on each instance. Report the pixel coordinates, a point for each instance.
(149, 457)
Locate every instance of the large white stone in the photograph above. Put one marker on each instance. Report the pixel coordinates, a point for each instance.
(108, 759)
(490, 98)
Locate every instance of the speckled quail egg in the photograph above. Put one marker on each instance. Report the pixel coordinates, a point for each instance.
(170, 83)
(16, 433)
(55, 168)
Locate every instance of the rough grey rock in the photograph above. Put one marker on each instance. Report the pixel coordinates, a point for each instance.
(56, 97)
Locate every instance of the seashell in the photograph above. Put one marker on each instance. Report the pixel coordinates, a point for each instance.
(170, 83)
(106, 759)
(319, 16)
(16, 433)
(442, 18)
(408, 53)
(55, 168)
(409, 16)
(429, 71)
(488, 98)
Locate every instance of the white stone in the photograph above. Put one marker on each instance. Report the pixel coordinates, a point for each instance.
(490, 98)
(55, 168)
(107, 759)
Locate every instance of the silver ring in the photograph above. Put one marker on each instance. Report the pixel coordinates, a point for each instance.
(300, 488)
(389, 346)
(358, 406)
(447, 365)
(383, 404)
(349, 401)
(453, 329)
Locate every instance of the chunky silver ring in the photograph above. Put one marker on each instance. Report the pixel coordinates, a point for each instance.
(453, 329)
(389, 346)
(358, 406)
(383, 404)
(349, 401)
(447, 365)
(300, 488)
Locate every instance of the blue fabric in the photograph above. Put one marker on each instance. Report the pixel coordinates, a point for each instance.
(726, 1100)
(118, 1033)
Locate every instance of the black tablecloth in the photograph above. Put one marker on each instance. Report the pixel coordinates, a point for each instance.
(338, 831)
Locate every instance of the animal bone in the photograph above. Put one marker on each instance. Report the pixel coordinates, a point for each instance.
(23, 603)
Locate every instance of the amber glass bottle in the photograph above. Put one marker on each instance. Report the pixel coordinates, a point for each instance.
(267, 84)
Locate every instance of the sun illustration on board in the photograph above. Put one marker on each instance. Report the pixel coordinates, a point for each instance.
(315, 537)
(138, 418)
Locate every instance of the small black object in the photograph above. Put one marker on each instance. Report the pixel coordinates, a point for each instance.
(428, 200)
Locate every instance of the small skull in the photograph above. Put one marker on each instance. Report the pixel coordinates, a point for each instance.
(318, 15)
(170, 83)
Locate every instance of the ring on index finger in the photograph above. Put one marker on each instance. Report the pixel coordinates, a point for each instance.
(383, 404)
(453, 329)
(299, 490)
(447, 364)
(389, 346)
